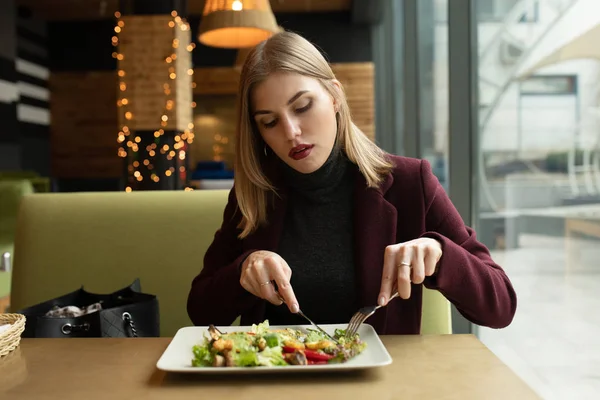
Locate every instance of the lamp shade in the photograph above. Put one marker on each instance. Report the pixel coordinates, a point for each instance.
(235, 24)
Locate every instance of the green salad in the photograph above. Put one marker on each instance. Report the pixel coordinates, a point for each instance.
(262, 346)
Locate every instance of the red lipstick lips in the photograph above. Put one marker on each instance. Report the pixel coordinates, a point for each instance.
(301, 151)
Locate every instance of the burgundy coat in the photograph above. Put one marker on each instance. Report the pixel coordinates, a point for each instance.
(410, 203)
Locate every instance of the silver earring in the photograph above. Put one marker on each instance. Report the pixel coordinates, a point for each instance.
(265, 148)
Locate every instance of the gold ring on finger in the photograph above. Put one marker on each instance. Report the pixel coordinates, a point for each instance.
(266, 283)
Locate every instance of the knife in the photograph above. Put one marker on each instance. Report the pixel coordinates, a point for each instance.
(305, 317)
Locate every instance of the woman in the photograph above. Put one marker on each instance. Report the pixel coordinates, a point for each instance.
(321, 214)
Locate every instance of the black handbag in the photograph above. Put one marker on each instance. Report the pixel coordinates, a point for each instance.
(124, 313)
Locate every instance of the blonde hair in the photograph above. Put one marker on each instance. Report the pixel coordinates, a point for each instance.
(289, 52)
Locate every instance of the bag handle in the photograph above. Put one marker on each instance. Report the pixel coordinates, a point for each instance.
(128, 320)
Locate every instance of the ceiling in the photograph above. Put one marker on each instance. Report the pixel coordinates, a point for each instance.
(99, 9)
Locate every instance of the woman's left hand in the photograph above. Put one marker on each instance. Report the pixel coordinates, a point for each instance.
(406, 263)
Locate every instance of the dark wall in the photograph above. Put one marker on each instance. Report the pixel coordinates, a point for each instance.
(81, 45)
(91, 49)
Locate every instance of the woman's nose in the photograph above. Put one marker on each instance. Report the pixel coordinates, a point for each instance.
(291, 128)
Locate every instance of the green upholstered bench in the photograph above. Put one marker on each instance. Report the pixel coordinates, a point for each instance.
(11, 193)
(105, 240)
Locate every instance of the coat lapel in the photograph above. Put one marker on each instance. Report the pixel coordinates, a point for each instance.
(375, 228)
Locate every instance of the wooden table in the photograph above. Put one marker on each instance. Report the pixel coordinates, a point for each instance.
(424, 367)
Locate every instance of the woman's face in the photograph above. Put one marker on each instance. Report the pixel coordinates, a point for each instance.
(295, 116)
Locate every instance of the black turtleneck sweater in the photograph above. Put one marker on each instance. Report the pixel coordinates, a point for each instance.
(317, 243)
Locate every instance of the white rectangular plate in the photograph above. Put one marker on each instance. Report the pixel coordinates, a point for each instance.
(178, 355)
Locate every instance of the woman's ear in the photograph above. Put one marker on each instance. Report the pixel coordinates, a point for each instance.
(337, 85)
(340, 92)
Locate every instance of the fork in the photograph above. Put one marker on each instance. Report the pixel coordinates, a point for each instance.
(360, 316)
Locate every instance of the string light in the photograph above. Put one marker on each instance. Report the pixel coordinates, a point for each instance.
(129, 149)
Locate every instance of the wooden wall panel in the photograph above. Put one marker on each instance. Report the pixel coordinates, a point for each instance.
(358, 81)
(145, 42)
(83, 130)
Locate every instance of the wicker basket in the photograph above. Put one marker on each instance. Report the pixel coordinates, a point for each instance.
(10, 339)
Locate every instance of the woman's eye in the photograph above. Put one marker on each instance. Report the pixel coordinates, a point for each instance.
(305, 108)
(270, 124)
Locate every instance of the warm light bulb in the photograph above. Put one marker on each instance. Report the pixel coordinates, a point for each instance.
(128, 189)
(168, 173)
(128, 115)
(117, 14)
(121, 73)
(237, 5)
(117, 29)
(171, 24)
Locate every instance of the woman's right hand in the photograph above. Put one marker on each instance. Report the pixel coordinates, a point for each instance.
(262, 267)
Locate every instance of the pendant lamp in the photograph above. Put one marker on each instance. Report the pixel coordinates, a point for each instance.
(234, 24)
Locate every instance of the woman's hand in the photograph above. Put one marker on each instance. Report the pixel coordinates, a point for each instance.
(262, 267)
(408, 262)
